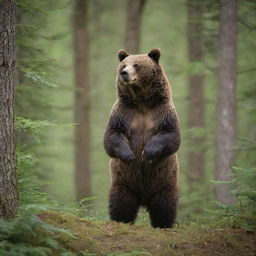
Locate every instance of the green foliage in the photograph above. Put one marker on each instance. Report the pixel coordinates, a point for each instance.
(83, 208)
(39, 77)
(242, 213)
(30, 126)
(29, 184)
(33, 63)
(27, 235)
(28, 173)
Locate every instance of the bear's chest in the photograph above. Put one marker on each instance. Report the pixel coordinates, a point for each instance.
(142, 125)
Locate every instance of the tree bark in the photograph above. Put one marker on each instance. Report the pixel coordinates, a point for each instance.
(196, 100)
(8, 187)
(133, 25)
(82, 102)
(226, 120)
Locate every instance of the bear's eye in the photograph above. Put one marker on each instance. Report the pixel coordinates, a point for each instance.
(137, 67)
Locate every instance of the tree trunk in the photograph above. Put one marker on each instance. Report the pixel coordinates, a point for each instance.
(133, 25)
(196, 101)
(82, 102)
(226, 123)
(8, 187)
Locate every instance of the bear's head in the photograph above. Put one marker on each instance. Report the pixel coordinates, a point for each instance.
(141, 79)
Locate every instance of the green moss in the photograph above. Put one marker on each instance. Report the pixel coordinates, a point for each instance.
(116, 239)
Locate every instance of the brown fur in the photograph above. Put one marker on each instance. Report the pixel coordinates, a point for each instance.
(142, 138)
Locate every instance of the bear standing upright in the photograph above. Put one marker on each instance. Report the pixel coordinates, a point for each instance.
(142, 138)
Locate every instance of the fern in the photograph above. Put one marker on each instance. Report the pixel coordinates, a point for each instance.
(27, 235)
(39, 77)
(30, 126)
(242, 213)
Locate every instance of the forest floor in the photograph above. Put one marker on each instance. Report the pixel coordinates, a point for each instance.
(117, 239)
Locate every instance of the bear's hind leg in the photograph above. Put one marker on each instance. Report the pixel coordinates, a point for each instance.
(162, 209)
(123, 204)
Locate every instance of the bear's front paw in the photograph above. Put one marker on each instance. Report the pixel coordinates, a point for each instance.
(126, 156)
(152, 152)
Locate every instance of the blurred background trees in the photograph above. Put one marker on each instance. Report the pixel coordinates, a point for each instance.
(196, 98)
(82, 101)
(133, 25)
(64, 78)
(226, 115)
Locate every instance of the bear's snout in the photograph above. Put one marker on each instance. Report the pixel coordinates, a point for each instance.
(128, 75)
(125, 75)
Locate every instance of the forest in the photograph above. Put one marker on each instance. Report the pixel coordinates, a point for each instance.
(58, 83)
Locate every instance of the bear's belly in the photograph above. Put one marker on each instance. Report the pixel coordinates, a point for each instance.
(145, 179)
(138, 143)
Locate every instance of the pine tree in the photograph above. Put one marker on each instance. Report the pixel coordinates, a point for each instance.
(8, 186)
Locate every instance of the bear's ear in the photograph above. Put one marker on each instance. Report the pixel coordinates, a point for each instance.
(122, 54)
(155, 54)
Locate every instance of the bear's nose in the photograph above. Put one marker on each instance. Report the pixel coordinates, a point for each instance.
(124, 73)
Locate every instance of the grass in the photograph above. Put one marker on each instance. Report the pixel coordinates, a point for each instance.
(117, 239)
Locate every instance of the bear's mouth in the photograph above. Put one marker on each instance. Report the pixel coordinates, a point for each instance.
(130, 82)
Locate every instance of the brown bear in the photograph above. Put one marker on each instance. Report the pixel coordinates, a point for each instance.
(142, 138)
